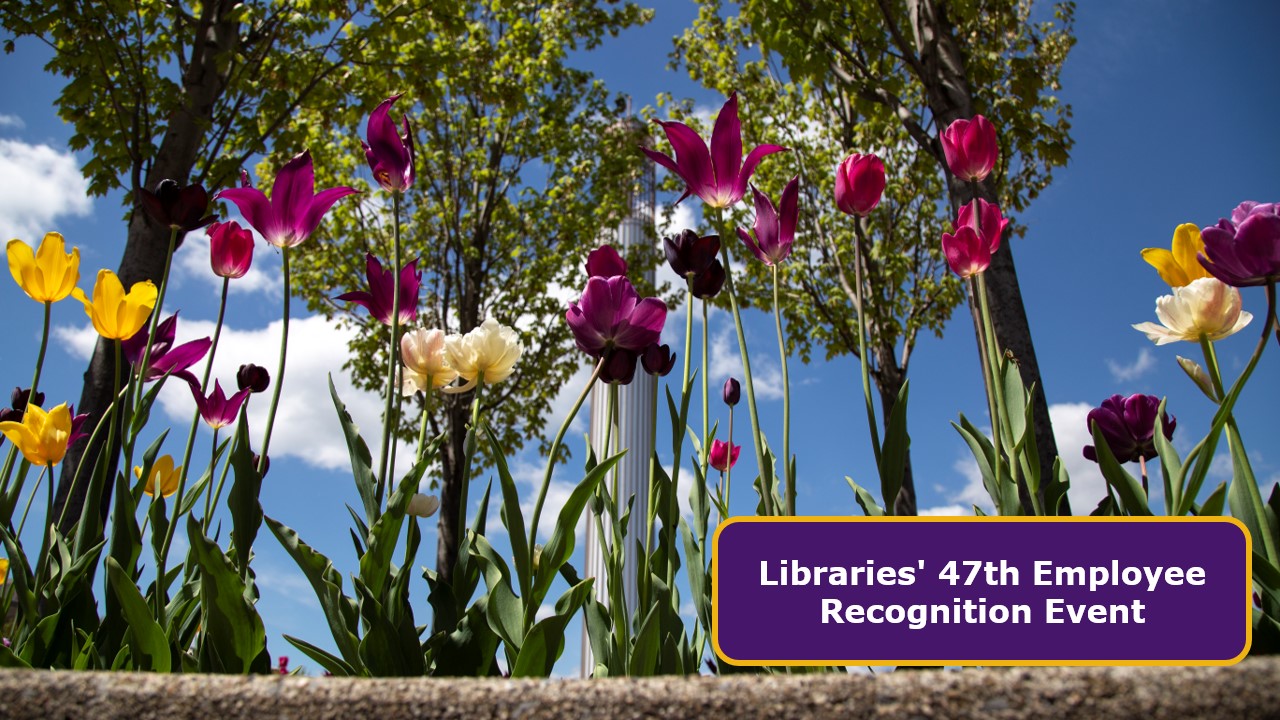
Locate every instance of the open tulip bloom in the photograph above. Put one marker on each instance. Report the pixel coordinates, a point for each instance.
(115, 314)
(1244, 251)
(389, 153)
(1128, 426)
(487, 353)
(425, 364)
(378, 299)
(1205, 308)
(294, 210)
(1179, 265)
(612, 322)
(217, 410)
(717, 175)
(775, 227)
(165, 358)
(177, 207)
(163, 475)
(689, 254)
(41, 437)
(970, 148)
(47, 274)
(721, 457)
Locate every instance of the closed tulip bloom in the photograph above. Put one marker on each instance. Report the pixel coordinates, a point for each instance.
(718, 175)
(230, 249)
(722, 458)
(294, 210)
(41, 436)
(253, 378)
(489, 352)
(115, 314)
(1244, 251)
(163, 475)
(217, 410)
(165, 358)
(378, 299)
(732, 392)
(423, 506)
(970, 148)
(707, 284)
(18, 401)
(605, 262)
(1128, 425)
(177, 207)
(690, 254)
(425, 363)
(389, 153)
(1204, 308)
(658, 360)
(859, 184)
(775, 228)
(47, 274)
(1178, 266)
(967, 253)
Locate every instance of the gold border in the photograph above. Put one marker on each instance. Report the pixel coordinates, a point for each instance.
(715, 592)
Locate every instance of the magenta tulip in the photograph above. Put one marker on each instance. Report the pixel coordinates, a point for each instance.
(294, 210)
(717, 175)
(721, 457)
(165, 358)
(859, 184)
(605, 262)
(970, 148)
(775, 228)
(993, 222)
(1245, 250)
(389, 153)
(611, 322)
(230, 249)
(217, 410)
(382, 288)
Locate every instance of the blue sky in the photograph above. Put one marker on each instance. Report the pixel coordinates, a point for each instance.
(1174, 122)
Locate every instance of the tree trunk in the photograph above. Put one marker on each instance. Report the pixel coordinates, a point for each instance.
(451, 511)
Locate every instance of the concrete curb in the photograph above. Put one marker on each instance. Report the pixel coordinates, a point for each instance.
(1249, 690)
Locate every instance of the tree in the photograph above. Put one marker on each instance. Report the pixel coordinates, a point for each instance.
(522, 163)
(918, 65)
(161, 90)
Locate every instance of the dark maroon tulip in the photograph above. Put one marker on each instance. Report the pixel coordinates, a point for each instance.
(775, 227)
(22, 396)
(252, 377)
(689, 254)
(266, 466)
(165, 358)
(658, 360)
(707, 285)
(859, 184)
(177, 207)
(605, 262)
(77, 426)
(389, 153)
(619, 366)
(1128, 426)
(1245, 250)
(732, 392)
(381, 289)
(217, 410)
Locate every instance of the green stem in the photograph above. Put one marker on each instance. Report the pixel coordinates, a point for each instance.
(864, 363)
(426, 415)
(44, 345)
(996, 384)
(217, 335)
(389, 423)
(89, 513)
(609, 450)
(208, 491)
(217, 495)
(651, 507)
(728, 473)
(706, 380)
(284, 350)
(673, 501)
(469, 451)
(75, 479)
(31, 498)
(786, 401)
(555, 451)
(155, 315)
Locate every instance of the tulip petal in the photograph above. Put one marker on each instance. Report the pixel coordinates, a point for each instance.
(320, 205)
(749, 166)
(693, 160)
(726, 145)
(256, 209)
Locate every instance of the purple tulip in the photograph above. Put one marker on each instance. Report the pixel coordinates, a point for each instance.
(707, 285)
(619, 366)
(992, 226)
(294, 210)
(1128, 426)
(381, 289)
(688, 254)
(732, 392)
(859, 184)
(253, 378)
(775, 228)
(723, 455)
(177, 207)
(612, 322)
(217, 410)
(230, 249)
(605, 262)
(658, 360)
(77, 426)
(1245, 250)
(18, 405)
(718, 176)
(165, 358)
(970, 148)
(389, 153)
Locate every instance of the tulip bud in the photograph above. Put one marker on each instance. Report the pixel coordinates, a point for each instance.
(181, 208)
(21, 397)
(732, 392)
(658, 360)
(230, 249)
(707, 285)
(605, 262)
(966, 252)
(859, 184)
(1198, 376)
(252, 377)
(689, 254)
(266, 467)
(423, 506)
(537, 557)
(970, 148)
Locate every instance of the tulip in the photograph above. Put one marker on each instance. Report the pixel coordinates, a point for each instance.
(425, 364)
(992, 226)
(164, 359)
(48, 274)
(176, 207)
(4, 575)
(611, 321)
(217, 410)
(970, 148)
(390, 154)
(658, 360)
(423, 506)
(230, 249)
(488, 352)
(859, 184)
(775, 228)
(732, 392)
(253, 378)
(1205, 308)
(163, 475)
(294, 210)
(1244, 251)
(718, 176)
(262, 463)
(41, 437)
(967, 253)
(1179, 266)
(721, 457)
(688, 254)
(77, 426)
(378, 299)
(1128, 427)
(708, 284)
(116, 315)
(18, 402)
(605, 262)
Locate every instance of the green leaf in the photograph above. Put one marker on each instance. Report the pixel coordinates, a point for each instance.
(644, 654)
(1170, 463)
(545, 641)
(361, 459)
(234, 638)
(335, 665)
(1132, 498)
(512, 515)
(561, 543)
(339, 610)
(1213, 504)
(1246, 501)
(865, 501)
(246, 510)
(148, 646)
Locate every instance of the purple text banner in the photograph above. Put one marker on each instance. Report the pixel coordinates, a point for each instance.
(982, 591)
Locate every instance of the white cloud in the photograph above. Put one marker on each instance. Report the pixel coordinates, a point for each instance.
(11, 121)
(946, 511)
(1141, 366)
(191, 261)
(38, 184)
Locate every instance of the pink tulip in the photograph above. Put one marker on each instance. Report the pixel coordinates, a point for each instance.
(971, 149)
(721, 458)
(230, 249)
(859, 184)
(295, 208)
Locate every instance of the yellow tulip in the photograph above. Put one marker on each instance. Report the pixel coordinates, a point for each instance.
(1179, 266)
(41, 437)
(164, 474)
(489, 352)
(48, 274)
(4, 570)
(115, 315)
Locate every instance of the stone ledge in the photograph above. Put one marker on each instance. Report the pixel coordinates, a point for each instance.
(1249, 690)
